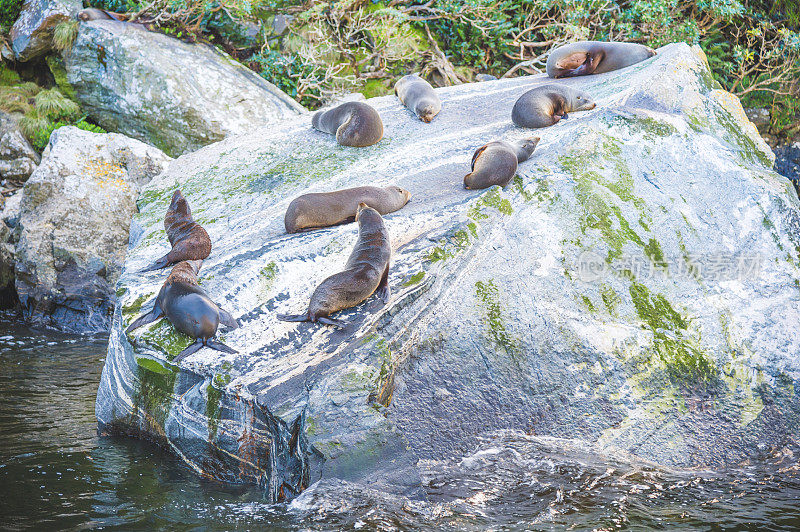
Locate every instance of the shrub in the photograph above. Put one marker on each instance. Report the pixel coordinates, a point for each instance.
(41, 137)
(9, 12)
(54, 106)
(65, 34)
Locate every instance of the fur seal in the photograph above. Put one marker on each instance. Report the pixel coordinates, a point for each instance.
(495, 163)
(188, 238)
(366, 271)
(354, 124)
(189, 309)
(315, 210)
(418, 95)
(547, 104)
(594, 57)
(92, 13)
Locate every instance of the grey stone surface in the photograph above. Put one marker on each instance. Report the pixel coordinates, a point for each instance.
(635, 287)
(32, 34)
(171, 94)
(18, 159)
(73, 225)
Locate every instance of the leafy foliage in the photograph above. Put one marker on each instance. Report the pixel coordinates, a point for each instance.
(9, 11)
(41, 137)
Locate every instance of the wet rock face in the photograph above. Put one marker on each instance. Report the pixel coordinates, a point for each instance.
(72, 226)
(163, 91)
(32, 33)
(634, 287)
(18, 160)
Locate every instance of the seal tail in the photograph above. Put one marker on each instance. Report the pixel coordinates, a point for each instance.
(163, 262)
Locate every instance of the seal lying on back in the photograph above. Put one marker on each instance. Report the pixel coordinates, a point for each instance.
(311, 211)
(366, 271)
(545, 105)
(496, 163)
(354, 124)
(418, 95)
(594, 57)
(189, 240)
(189, 310)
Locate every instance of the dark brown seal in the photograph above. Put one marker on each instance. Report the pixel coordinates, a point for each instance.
(419, 96)
(547, 104)
(311, 211)
(496, 163)
(594, 57)
(366, 271)
(189, 309)
(93, 13)
(188, 238)
(354, 124)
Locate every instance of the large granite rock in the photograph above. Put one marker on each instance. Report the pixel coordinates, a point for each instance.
(18, 159)
(73, 226)
(636, 287)
(32, 34)
(168, 93)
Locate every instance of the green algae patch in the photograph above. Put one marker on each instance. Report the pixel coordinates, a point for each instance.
(610, 299)
(213, 410)
(748, 150)
(654, 252)
(600, 198)
(488, 296)
(684, 361)
(266, 277)
(644, 126)
(164, 337)
(450, 247)
(136, 306)
(153, 393)
(492, 199)
(415, 279)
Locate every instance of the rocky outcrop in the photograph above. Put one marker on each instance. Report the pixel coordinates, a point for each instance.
(168, 93)
(32, 33)
(18, 160)
(635, 287)
(73, 226)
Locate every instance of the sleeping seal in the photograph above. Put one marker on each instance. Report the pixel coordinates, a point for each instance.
(496, 163)
(547, 104)
(354, 124)
(189, 310)
(418, 95)
(311, 211)
(594, 57)
(366, 271)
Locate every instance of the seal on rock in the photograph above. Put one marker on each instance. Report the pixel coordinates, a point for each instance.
(354, 124)
(419, 96)
(189, 309)
(188, 238)
(594, 57)
(315, 210)
(92, 13)
(495, 163)
(366, 271)
(547, 104)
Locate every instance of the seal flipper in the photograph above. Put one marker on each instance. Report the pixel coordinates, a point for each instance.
(163, 262)
(225, 318)
(144, 319)
(219, 346)
(383, 291)
(293, 317)
(188, 351)
(331, 321)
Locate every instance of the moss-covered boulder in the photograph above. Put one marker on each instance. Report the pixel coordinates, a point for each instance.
(635, 286)
(73, 224)
(171, 94)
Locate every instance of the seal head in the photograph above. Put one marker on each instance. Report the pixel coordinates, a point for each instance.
(419, 96)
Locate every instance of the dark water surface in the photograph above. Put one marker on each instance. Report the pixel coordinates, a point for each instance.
(56, 473)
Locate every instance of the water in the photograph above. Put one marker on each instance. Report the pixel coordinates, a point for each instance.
(56, 473)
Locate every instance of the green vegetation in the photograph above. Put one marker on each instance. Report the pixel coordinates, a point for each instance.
(65, 34)
(9, 11)
(488, 296)
(753, 47)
